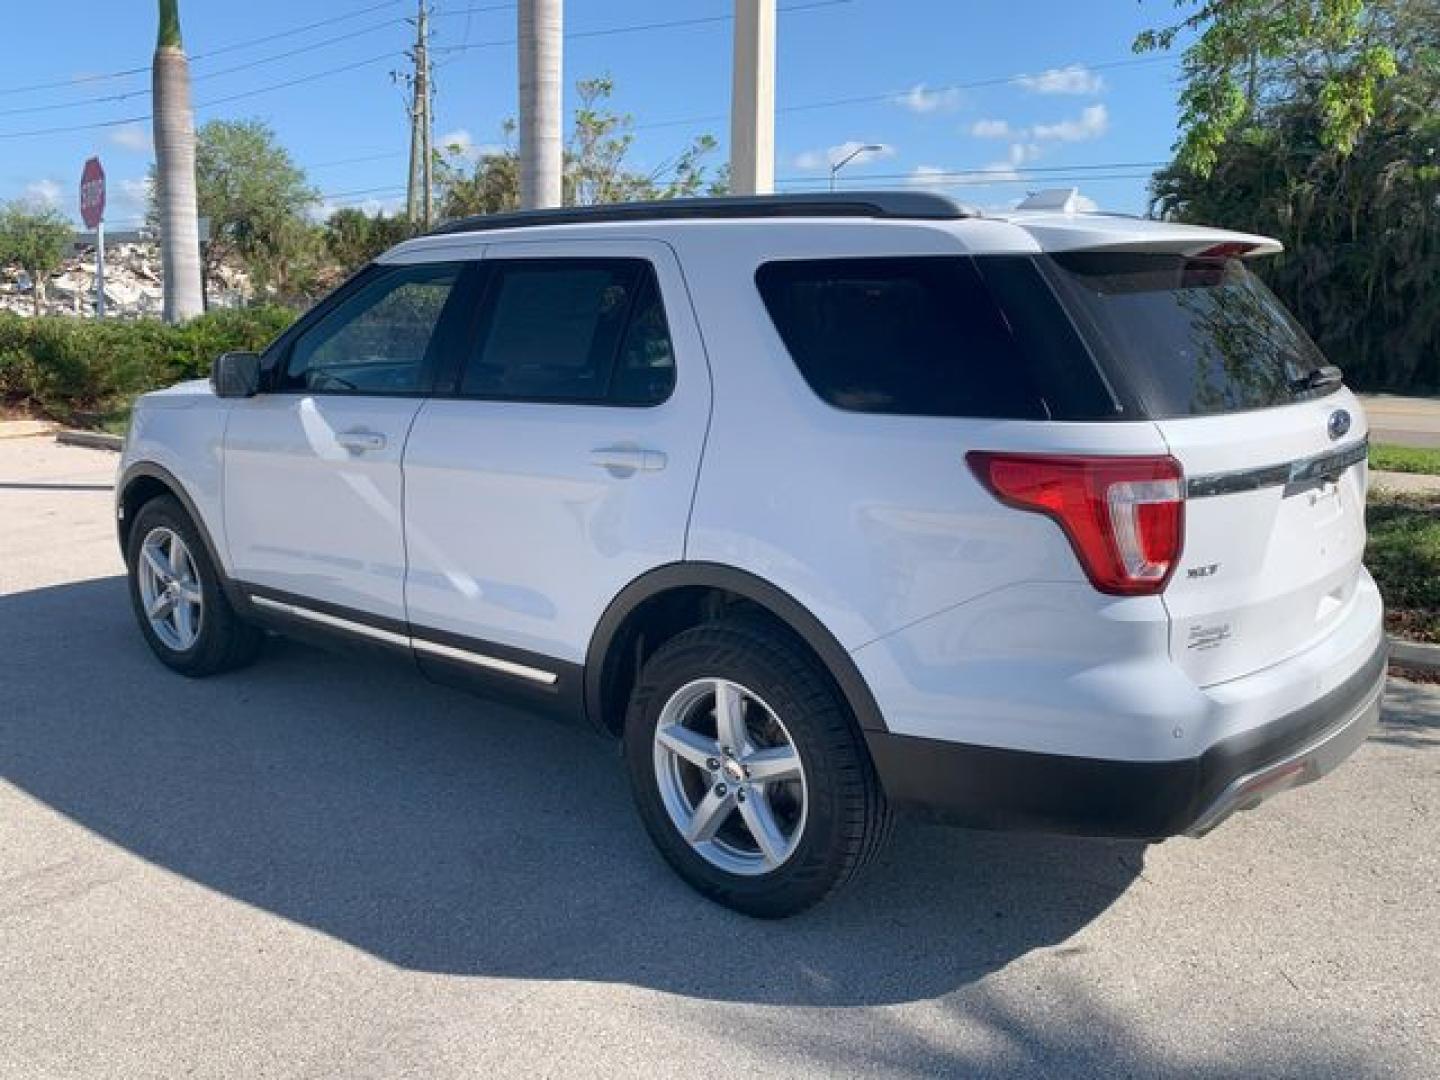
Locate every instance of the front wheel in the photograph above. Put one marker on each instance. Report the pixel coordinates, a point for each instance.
(748, 770)
(177, 596)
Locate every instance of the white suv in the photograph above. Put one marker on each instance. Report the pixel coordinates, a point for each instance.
(824, 505)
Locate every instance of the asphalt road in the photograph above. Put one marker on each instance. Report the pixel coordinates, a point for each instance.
(322, 868)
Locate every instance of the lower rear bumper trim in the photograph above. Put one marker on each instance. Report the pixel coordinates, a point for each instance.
(994, 787)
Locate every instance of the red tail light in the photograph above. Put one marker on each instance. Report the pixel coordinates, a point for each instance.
(1124, 516)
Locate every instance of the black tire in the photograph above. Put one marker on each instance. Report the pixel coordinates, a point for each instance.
(225, 641)
(847, 819)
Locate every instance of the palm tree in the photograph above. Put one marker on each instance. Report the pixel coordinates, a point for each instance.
(540, 63)
(175, 170)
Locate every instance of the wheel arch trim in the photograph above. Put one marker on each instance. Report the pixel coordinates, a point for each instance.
(149, 470)
(791, 612)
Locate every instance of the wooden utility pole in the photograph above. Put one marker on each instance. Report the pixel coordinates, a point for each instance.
(541, 41)
(420, 189)
(752, 99)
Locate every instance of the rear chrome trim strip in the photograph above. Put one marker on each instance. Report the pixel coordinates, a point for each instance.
(1328, 465)
(493, 663)
(332, 621)
(389, 637)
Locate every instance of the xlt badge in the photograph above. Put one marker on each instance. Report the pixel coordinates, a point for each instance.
(1208, 570)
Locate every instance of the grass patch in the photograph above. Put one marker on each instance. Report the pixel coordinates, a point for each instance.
(1405, 459)
(1404, 555)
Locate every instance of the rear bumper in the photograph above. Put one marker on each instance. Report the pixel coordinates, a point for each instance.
(991, 787)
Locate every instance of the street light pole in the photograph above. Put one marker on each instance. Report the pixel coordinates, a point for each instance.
(871, 148)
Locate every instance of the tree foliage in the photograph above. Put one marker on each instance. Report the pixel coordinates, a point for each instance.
(353, 237)
(257, 201)
(1353, 189)
(597, 165)
(35, 239)
(1245, 52)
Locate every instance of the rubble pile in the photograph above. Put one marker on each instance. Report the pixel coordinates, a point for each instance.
(133, 287)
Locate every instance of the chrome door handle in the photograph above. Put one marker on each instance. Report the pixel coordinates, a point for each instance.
(627, 460)
(357, 441)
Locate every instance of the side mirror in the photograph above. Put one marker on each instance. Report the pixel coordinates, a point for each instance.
(236, 375)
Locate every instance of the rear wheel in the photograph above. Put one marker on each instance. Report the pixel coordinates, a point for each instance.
(748, 770)
(177, 596)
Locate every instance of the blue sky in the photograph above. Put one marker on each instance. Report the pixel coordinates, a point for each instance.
(936, 83)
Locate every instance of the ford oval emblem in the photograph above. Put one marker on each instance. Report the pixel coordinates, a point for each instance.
(1339, 424)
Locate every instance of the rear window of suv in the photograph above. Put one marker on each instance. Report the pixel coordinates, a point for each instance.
(932, 336)
(1186, 336)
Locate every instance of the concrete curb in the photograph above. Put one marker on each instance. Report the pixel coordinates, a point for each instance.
(1415, 654)
(95, 440)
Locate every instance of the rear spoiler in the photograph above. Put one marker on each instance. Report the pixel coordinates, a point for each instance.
(1059, 220)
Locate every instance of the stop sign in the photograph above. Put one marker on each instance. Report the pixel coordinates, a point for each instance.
(92, 193)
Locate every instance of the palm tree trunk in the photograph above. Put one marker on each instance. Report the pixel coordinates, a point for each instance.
(175, 170)
(540, 62)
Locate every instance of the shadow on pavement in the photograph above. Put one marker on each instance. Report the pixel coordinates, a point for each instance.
(446, 834)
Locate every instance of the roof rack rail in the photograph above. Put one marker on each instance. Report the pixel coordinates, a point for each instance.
(871, 204)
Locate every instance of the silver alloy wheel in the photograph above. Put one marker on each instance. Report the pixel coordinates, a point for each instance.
(170, 588)
(730, 777)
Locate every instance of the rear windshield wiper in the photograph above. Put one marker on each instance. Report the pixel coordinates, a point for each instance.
(1318, 379)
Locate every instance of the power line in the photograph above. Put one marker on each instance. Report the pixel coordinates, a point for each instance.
(357, 160)
(141, 118)
(928, 180)
(669, 24)
(61, 84)
(145, 92)
(295, 30)
(895, 95)
(1103, 166)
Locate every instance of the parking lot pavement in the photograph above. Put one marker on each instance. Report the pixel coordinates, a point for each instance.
(318, 867)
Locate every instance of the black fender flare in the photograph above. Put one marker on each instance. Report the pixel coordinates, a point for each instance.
(782, 605)
(143, 470)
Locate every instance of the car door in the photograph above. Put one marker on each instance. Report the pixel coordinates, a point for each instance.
(563, 463)
(312, 466)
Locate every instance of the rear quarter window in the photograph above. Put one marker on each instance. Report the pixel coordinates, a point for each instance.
(926, 336)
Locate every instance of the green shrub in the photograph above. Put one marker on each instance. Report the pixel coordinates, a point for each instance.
(63, 367)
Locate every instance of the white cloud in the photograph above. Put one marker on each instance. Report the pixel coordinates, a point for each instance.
(133, 137)
(918, 99)
(927, 176)
(43, 193)
(461, 142)
(993, 129)
(1093, 121)
(811, 160)
(1075, 79)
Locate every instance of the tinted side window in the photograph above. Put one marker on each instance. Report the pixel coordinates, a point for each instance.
(645, 370)
(920, 336)
(575, 329)
(378, 340)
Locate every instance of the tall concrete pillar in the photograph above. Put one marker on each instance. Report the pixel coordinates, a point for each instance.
(752, 99)
(541, 42)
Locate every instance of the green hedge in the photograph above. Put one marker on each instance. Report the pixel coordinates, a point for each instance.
(64, 366)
